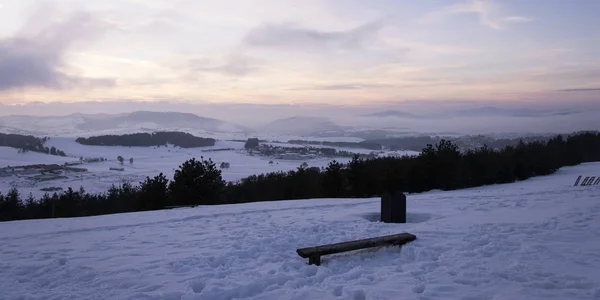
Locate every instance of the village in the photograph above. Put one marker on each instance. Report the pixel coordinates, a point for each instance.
(303, 153)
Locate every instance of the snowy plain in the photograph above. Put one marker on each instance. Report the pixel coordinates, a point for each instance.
(148, 161)
(535, 239)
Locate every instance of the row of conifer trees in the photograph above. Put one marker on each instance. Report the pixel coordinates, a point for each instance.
(199, 182)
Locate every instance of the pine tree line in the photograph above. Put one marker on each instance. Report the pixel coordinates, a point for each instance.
(199, 182)
(26, 143)
(180, 139)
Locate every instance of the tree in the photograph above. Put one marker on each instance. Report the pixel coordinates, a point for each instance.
(53, 151)
(196, 182)
(251, 143)
(153, 193)
(120, 159)
(131, 160)
(334, 181)
(11, 207)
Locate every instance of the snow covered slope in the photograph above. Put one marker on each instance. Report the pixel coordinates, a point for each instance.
(537, 239)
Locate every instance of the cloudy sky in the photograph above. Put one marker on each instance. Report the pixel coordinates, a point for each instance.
(310, 51)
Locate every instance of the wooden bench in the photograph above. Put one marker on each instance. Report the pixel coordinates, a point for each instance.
(314, 253)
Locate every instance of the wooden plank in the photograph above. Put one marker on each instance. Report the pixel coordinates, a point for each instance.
(179, 206)
(395, 239)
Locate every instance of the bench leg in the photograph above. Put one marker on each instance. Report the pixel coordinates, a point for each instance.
(314, 260)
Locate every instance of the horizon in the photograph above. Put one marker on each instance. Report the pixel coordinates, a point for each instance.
(456, 117)
(343, 53)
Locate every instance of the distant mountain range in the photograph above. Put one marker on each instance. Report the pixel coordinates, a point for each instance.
(366, 126)
(488, 111)
(302, 125)
(391, 113)
(140, 120)
(485, 111)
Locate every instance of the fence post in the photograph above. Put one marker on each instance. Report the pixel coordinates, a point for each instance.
(577, 181)
(386, 215)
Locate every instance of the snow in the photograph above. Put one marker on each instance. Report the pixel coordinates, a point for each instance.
(536, 239)
(148, 161)
(11, 157)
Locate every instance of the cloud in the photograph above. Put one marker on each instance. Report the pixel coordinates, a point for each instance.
(489, 14)
(290, 37)
(235, 65)
(34, 57)
(517, 19)
(339, 87)
(580, 90)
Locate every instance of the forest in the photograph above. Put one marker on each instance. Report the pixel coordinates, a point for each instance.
(27, 143)
(180, 139)
(199, 182)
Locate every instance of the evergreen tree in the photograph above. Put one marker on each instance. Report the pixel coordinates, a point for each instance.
(196, 182)
(11, 207)
(153, 193)
(335, 180)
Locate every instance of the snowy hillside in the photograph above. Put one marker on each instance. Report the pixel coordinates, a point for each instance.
(536, 239)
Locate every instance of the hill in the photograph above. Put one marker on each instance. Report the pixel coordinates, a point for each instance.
(302, 126)
(491, 242)
(492, 111)
(130, 122)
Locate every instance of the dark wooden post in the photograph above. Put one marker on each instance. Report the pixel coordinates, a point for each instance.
(386, 212)
(393, 208)
(314, 260)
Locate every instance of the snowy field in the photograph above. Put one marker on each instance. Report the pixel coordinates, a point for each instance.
(536, 239)
(148, 161)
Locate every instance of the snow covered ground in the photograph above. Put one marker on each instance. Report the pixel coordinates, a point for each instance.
(536, 239)
(148, 161)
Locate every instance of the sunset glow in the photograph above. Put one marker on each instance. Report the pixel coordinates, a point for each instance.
(266, 51)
